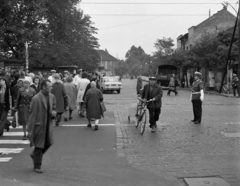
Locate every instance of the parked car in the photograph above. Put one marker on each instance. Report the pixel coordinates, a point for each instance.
(110, 83)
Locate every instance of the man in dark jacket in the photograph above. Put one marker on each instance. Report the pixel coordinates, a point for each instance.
(153, 92)
(40, 128)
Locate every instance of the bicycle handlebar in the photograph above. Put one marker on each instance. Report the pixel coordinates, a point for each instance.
(150, 100)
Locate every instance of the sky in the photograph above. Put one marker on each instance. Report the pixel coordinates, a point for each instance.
(124, 23)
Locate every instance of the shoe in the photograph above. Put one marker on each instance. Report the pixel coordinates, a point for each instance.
(38, 170)
(153, 129)
(96, 127)
(196, 122)
(193, 120)
(71, 118)
(176, 94)
(89, 125)
(65, 119)
(7, 128)
(24, 138)
(57, 124)
(150, 126)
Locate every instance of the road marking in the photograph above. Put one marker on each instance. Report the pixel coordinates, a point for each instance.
(13, 134)
(5, 159)
(84, 125)
(22, 142)
(231, 135)
(19, 127)
(10, 150)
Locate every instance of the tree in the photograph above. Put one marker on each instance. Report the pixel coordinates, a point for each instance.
(136, 60)
(121, 68)
(57, 32)
(164, 46)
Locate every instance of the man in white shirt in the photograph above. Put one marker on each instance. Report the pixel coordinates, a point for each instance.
(81, 87)
(51, 78)
(77, 77)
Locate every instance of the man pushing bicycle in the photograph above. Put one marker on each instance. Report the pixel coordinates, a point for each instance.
(153, 92)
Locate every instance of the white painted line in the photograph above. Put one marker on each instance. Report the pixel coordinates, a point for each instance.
(19, 127)
(5, 159)
(85, 125)
(13, 134)
(23, 142)
(10, 150)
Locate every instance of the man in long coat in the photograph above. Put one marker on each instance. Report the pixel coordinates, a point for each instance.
(42, 110)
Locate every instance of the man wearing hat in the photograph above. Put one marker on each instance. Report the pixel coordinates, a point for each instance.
(51, 78)
(235, 84)
(153, 92)
(197, 97)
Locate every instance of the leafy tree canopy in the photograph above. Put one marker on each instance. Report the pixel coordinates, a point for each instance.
(58, 33)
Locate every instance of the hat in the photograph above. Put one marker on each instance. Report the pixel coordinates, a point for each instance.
(53, 71)
(152, 78)
(198, 74)
(79, 70)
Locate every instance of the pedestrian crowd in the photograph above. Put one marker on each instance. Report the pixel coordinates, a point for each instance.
(36, 100)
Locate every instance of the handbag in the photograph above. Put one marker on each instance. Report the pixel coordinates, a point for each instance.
(171, 88)
(103, 108)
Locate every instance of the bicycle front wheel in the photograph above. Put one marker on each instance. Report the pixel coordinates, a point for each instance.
(138, 116)
(144, 123)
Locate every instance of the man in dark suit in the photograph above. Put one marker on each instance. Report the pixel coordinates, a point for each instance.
(42, 110)
(153, 92)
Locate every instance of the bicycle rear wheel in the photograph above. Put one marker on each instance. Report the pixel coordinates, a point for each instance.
(144, 123)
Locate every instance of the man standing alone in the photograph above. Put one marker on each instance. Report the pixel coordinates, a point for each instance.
(42, 110)
(197, 97)
(235, 85)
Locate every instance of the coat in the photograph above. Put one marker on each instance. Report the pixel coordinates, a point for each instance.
(156, 93)
(38, 120)
(92, 100)
(81, 87)
(59, 92)
(71, 92)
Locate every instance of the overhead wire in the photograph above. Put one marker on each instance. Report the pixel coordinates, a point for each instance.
(144, 20)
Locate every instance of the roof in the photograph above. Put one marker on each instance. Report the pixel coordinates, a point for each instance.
(105, 56)
(224, 11)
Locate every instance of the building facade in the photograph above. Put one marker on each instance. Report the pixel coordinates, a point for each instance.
(107, 62)
(216, 23)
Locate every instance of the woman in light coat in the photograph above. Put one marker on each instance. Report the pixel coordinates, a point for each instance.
(92, 100)
(71, 92)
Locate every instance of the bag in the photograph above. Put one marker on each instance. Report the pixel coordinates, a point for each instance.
(103, 108)
(15, 120)
(171, 88)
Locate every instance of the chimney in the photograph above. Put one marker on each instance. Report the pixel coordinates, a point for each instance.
(209, 12)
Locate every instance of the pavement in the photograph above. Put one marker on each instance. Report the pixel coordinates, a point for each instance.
(181, 149)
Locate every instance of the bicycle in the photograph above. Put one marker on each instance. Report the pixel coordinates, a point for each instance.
(138, 111)
(142, 119)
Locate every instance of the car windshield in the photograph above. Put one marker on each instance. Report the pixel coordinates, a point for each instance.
(111, 79)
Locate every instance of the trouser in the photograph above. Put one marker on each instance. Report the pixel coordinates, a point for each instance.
(38, 156)
(3, 118)
(235, 89)
(197, 110)
(174, 90)
(154, 114)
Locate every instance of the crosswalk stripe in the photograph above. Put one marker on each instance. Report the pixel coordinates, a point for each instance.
(84, 125)
(13, 134)
(10, 150)
(22, 142)
(5, 159)
(19, 127)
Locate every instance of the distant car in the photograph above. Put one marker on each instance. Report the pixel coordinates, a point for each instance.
(110, 83)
